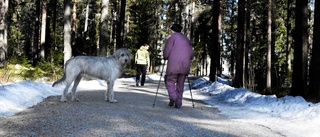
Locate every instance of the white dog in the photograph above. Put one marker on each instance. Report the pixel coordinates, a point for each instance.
(106, 68)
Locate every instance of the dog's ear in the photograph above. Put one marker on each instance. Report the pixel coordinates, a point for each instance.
(117, 54)
(129, 53)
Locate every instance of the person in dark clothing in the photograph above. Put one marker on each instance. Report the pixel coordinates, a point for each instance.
(142, 61)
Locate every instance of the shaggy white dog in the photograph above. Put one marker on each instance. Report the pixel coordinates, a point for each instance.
(106, 68)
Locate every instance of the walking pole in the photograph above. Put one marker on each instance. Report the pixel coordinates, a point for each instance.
(154, 102)
(190, 91)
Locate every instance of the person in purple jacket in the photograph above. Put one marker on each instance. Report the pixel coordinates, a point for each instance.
(178, 51)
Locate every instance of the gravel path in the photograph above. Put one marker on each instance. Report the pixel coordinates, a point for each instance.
(132, 116)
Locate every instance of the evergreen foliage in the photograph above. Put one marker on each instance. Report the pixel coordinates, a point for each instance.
(148, 21)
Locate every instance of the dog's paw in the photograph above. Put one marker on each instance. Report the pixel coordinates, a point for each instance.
(113, 101)
(75, 99)
(63, 99)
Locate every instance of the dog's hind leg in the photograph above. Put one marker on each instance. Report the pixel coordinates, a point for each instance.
(110, 93)
(74, 88)
(65, 91)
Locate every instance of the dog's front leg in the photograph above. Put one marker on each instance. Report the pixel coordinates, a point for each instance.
(110, 92)
(106, 95)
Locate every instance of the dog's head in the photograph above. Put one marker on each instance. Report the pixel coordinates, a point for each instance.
(123, 56)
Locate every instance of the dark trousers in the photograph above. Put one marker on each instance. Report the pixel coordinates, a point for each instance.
(141, 70)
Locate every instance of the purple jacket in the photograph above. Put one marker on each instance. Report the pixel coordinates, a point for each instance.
(178, 52)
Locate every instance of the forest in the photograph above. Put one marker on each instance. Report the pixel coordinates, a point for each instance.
(267, 46)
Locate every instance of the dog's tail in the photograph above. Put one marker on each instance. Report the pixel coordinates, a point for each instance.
(60, 80)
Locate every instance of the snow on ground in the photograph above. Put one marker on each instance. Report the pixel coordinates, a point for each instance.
(290, 116)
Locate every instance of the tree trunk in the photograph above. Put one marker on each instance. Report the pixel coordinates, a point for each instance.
(54, 21)
(43, 29)
(219, 65)
(247, 44)
(36, 34)
(214, 48)
(120, 25)
(269, 60)
(104, 28)
(67, 31)
(274, 66)
(233, 43)
(238, 81)
(86, 22)
(51, 34)
(3, 31)
(314, 89)
(288, 48)
(113, 28)
(74, 24)
(299, 76)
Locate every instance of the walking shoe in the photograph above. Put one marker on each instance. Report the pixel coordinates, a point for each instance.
(172, 102)
(178, 104)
